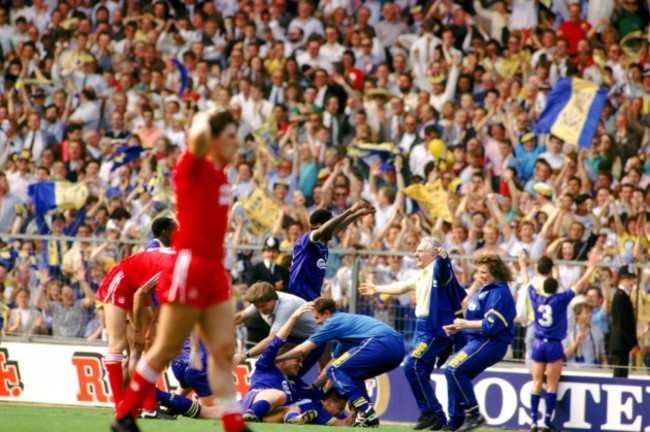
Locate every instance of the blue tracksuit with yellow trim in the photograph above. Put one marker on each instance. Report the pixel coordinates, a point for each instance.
(432, 345)
(366, 348)
(495, 307)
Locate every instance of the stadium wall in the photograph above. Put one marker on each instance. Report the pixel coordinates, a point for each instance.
(74, 375)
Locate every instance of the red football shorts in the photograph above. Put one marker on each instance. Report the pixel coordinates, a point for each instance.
(194, 281)
(115, 291)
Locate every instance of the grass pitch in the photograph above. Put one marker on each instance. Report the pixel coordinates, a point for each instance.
(38, 418)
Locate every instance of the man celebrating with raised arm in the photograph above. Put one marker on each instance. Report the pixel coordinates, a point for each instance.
(439, 297)
(195, 287)
(310, 252)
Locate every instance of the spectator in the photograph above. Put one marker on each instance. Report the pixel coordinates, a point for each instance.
(457, 96)
(622, 337)
(69, 316)
(584, 345)
(13, 211)
(24, 319)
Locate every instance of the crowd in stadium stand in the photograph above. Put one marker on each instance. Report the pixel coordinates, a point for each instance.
(456, 86)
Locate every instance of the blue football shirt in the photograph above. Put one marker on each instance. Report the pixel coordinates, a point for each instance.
(308, 267)
(550, 313)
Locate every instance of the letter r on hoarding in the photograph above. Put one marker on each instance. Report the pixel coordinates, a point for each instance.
(92, 378)
(10, 383)
(242, 375)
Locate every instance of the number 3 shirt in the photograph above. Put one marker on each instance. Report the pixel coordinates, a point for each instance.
(550, 313)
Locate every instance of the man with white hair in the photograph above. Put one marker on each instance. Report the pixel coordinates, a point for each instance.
(439, 297)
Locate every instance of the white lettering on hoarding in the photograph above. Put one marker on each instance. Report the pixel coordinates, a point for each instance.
(619, 411)
(647, 390)
(508, 395)
(578, 404)
(524, 412)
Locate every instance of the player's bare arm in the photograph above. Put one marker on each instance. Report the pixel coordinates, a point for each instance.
(303, 349)
(364, 209)
(199, 134)
(329, 228)
(139, 300)
(283, 334)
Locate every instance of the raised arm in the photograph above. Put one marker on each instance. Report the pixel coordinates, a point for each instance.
(301, 350)
(80, 277)
(551, 226)
(493, 206)
(399, 197)
(442, 269)
(41, 298)
(338, 223)
(523, 268)
(581, 285)
(199, 134)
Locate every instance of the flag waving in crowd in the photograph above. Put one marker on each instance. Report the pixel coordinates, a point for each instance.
(48, 196)
(573, 111)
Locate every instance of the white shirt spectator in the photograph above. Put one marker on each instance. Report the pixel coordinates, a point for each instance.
(524, 14)
(419, 158)
(554, 160)
(88, 114)
(331, 53)
(309, 26)
(18, 184)
(320, 61)
(327, 7)
(256, 114)
(382, 216)
(6, 33)
(227, 7)
(18, 38)
(535, 248)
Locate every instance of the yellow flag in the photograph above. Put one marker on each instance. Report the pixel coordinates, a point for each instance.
(432, 198)
(70, 195)
(266, 137)
(261, 211)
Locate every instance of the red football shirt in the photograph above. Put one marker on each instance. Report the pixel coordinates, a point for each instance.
(143, 269)
(572, 32)
(202, 201)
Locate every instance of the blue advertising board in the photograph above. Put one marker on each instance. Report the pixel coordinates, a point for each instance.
(586, 401)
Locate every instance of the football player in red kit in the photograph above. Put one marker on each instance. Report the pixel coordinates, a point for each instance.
(129, 284)
(196, 288)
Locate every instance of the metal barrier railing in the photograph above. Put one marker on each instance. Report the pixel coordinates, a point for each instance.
(353, 301)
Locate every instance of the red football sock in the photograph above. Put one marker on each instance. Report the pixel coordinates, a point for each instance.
(150, 403)
(232, 417)
(113, 365)
(143, 382)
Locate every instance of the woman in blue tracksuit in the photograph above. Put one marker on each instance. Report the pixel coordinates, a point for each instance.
(489, 327)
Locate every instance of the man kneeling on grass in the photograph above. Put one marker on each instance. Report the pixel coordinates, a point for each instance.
(273, 385)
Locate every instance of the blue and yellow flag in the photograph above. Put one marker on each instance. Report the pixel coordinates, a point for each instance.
(572, 111)
(49, 195)
(125, 154)
(266, 137)
(386, 151)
